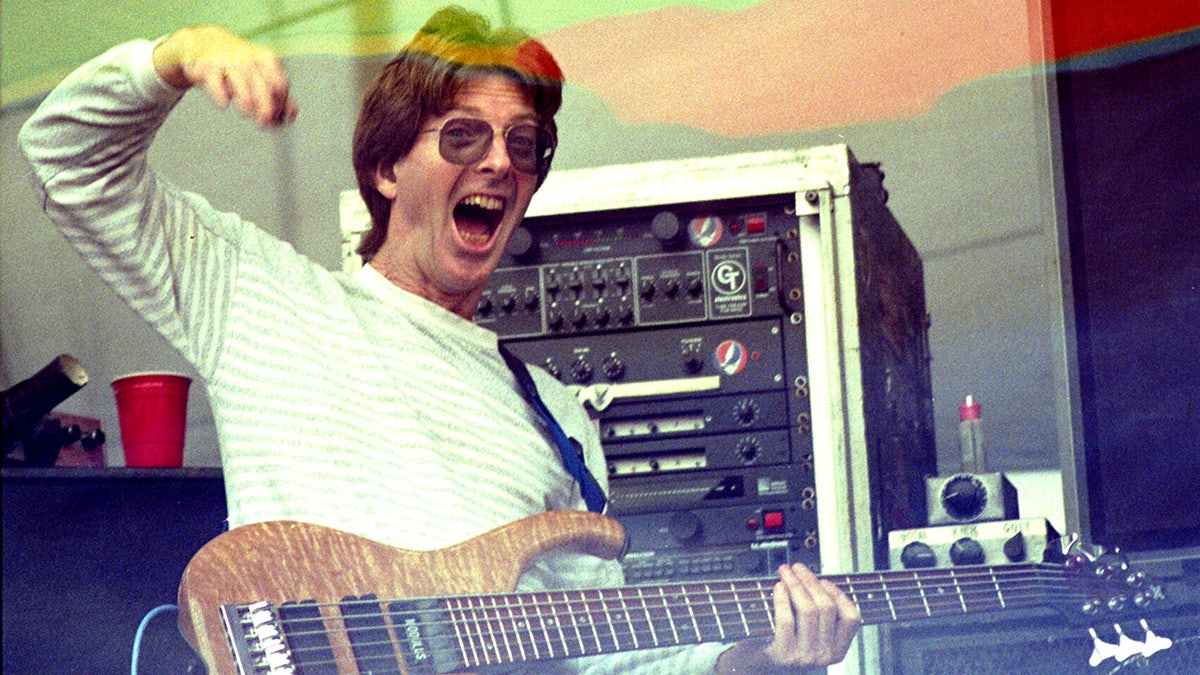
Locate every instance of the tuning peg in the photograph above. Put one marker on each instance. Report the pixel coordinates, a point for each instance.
(1135, 579)
(1127, 647)
(1101, 650)
(1153, 643)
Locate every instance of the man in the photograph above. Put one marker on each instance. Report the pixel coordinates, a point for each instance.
(367, 402)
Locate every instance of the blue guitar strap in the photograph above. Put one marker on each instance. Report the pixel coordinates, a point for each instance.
(572, 454)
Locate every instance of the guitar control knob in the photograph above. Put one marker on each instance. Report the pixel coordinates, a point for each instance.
(966, 551)
(647, 290)
(918, 554)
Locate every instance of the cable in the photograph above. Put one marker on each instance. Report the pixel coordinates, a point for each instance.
(141, 629)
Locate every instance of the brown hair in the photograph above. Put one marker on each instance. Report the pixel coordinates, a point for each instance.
(423, 80)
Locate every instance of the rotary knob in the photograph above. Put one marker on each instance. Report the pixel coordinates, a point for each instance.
(520, 245)
(964, 497)
(581, 371)
(667, 228)
(685, 526)
(613, 367)
(918, 554)
(745, 411)
(966, 551)
(748, 449)
(484, 307)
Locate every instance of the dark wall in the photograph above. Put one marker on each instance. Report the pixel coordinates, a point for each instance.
(1131, 161)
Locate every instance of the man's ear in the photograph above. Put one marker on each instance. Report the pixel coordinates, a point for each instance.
(385, 180)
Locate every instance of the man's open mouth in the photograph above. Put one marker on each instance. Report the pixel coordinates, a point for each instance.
(477, 216)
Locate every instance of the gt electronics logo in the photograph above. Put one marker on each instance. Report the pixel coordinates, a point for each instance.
(729, 277)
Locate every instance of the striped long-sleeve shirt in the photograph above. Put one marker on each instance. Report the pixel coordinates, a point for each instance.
(339, 399)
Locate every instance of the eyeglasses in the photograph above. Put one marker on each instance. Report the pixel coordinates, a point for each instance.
(465, 140)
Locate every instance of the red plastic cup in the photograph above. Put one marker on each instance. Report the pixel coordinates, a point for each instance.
(152, 411)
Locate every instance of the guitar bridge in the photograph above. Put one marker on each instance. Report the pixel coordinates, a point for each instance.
(256, 639)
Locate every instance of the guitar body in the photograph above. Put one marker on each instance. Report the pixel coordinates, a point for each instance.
(275, 562)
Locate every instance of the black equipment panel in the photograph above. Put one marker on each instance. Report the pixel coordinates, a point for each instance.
(681, 326)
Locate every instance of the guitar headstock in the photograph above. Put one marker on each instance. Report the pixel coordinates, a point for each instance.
(1100, 584)
(1104, 587)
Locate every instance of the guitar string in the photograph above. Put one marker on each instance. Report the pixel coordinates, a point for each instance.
(889, 583)
(900, 590)
(885, 606)
(487, 628)
(488, 642)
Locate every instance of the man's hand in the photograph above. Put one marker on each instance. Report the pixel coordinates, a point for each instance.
(229, 69)
(814, 625)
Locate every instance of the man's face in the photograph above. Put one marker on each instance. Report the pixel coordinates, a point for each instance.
(449, 223)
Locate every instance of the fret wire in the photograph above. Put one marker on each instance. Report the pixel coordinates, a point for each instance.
(924, 599)
(479, 631)
(529, 630)
(574, 622)
(462, 645)
(662, 594)
(687, 600)
(649, 620)
(545, 632)
(504, 633)
(958, 588)
(591, 621)
(558, 623)
(519, 623)
(628, 617)
(741, 610)
(486, 626)
(491, 633)
(999, 593)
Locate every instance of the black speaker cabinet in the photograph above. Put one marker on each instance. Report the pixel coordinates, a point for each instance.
(87, 553)
(1034, 642)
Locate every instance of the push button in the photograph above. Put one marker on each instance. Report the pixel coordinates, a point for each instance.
(772, 520)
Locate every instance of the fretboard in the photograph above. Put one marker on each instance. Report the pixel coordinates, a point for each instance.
(464, 632)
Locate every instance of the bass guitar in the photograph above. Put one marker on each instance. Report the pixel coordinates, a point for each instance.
(289, 597)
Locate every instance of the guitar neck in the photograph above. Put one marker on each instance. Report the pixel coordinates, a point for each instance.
(471, 631)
